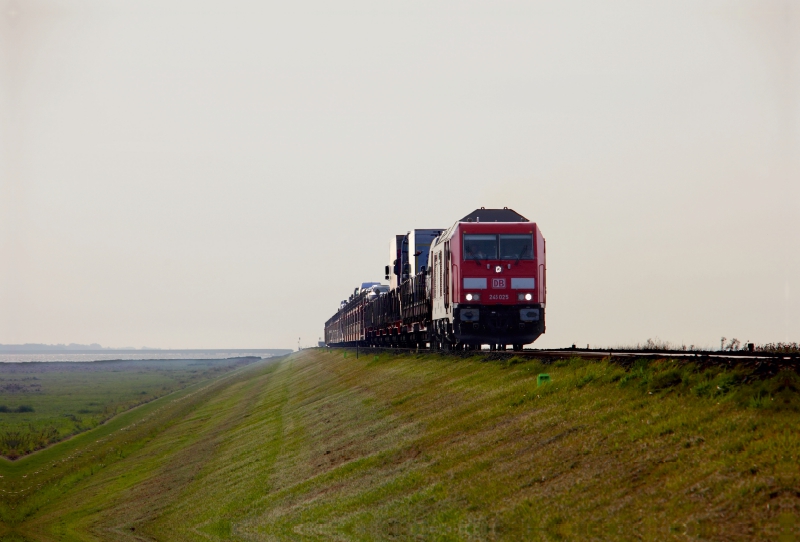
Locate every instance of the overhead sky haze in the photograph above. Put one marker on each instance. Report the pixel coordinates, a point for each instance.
(219, 175)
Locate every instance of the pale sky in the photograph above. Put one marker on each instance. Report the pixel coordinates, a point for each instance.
(194, 174)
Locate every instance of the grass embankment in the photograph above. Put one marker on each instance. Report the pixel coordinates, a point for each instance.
(43, 403)
(319, 446)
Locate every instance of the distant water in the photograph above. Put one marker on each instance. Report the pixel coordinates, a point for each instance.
(18, 357)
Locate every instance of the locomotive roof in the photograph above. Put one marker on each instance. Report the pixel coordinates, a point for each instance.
(483, 216)
(494, 215)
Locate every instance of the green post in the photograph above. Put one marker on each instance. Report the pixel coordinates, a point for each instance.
(542, 378)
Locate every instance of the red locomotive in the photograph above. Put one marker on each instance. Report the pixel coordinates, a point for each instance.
(482, 281)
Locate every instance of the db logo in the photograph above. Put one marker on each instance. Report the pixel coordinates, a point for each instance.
(498, 283)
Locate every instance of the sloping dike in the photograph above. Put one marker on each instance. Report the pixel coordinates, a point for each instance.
(326, 445)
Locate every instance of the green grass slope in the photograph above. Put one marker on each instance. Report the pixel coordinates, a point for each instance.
(321, 445)
(44, 402)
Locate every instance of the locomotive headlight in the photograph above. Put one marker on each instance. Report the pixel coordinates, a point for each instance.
(469, 297)
(524, 297)
(528, 297)
(473, 297)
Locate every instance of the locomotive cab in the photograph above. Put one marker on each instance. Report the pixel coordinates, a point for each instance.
(488, 281)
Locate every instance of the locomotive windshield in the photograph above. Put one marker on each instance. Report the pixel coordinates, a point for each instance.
(516, 247)
(480, 247)
(511, 247)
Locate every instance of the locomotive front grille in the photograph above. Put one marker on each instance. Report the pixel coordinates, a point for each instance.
(512, 324)
(498, 321)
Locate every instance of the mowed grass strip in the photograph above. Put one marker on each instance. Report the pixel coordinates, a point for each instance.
(322, 445)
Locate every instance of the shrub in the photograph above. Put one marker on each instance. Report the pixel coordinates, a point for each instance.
(20, 408)
(703, 389)
(786, 347)
(666, 379)
(760, 399)
(625, 379)
(725, 382)
(515, 360)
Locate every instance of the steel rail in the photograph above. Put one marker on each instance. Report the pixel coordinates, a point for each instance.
(762, 363)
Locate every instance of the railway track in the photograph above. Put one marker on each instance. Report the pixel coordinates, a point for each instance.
(762, 363)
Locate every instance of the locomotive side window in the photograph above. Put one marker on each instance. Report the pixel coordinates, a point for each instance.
(516, 247)
(480, 247)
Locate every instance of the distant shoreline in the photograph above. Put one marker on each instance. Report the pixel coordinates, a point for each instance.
(78, 356)
(11, 350)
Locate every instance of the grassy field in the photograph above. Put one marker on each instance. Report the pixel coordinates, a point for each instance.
(321, 445)
(43, 403)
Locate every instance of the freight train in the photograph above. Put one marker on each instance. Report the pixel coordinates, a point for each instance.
(480, 282)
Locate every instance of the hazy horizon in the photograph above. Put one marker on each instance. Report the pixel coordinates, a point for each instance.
(205, 175)
(33, 347)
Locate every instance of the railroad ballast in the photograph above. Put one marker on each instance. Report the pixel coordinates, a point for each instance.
(481, 281)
